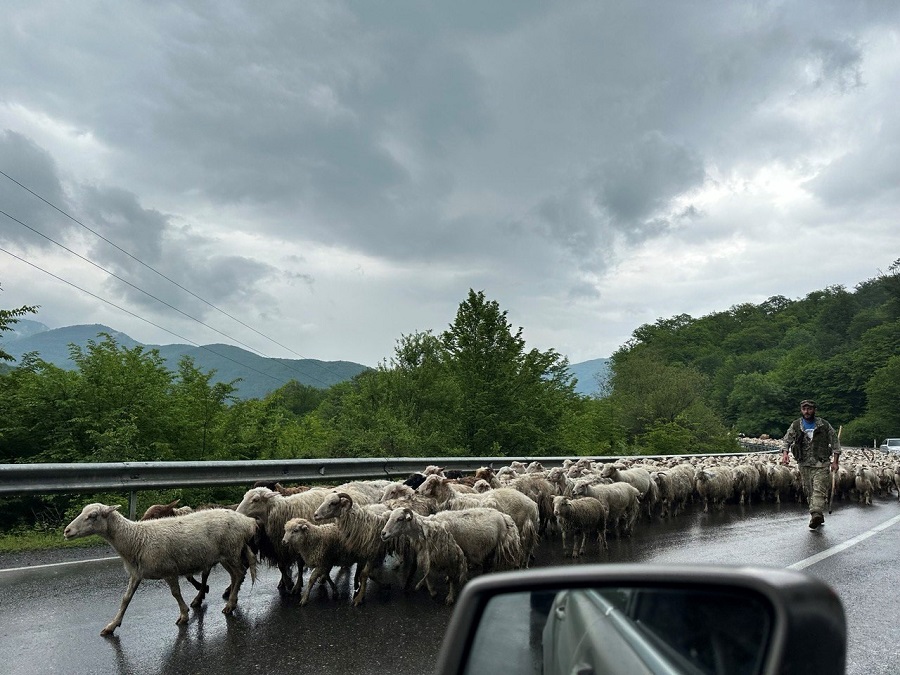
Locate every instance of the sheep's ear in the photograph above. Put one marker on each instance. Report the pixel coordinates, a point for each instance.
(106, 510)
(407, 514)
(173, 504)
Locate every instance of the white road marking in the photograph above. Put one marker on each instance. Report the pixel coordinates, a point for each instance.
(59, 564)
(827, 553)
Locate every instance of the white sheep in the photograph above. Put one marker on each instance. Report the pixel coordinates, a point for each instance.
(622, 502)
(320, 547)
(866, 483)
(489, 538)
(518, 506)
(746, 482)
(584, 516)
(714, 485)
(172, 547)
(436, 549)
(779, 480)
(272, 510)
(360, 528)
(637, 476)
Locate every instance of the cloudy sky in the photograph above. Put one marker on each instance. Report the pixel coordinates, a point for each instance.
(316, 179)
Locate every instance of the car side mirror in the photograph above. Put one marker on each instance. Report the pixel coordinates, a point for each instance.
(590, 619)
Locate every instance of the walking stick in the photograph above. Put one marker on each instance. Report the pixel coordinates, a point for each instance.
(834, 476)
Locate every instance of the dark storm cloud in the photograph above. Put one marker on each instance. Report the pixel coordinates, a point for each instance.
(33, 168)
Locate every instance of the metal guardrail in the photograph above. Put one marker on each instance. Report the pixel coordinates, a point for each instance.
(133, 477)
(30, 479)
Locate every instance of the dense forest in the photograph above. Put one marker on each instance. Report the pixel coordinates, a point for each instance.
(680, 385)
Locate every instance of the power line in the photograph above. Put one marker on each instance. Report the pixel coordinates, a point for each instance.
(137, 316)
(149, 295)
(172, 281)
(155, 271)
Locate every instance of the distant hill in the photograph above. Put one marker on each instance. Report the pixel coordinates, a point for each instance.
(259, 375)
(589, 374)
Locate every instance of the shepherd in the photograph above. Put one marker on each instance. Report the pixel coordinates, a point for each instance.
(815, 445)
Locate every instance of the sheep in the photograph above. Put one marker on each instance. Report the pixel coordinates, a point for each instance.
(320, 547)
(436, 549)
(562, 483)
(637, 476)
(622, 502)
(746, 482)
(400, 494)
(360, 529)
(518, 506)
(676, 486)
(541, 492)
(171, 547)
(584, 516)
(866, 483)
(272, 511)
(488, 537)
(714, 485)
(779, 480)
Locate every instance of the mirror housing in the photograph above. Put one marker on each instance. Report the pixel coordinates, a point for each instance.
(806, 629)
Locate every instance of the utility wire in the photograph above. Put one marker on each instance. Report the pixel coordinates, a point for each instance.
(137, 316)
(155, 271)
(150, 295)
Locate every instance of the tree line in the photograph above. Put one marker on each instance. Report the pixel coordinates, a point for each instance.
(679, 385)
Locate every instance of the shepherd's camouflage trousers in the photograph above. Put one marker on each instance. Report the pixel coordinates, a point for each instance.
(816, 481)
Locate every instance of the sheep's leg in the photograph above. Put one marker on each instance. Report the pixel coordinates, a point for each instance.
(237, 574)
(564, 539)
(426, 569)
(202, 588)
(319, 574)
(363, 582)
(182, 607)
(133, 583)
(286, 583)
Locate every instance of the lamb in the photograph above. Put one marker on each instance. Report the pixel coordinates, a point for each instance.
(168, 548)
(714, 485)
(622, 502)
(436, 549)
(360, 529)
(272, 511)
(585, 516)
(320, 547)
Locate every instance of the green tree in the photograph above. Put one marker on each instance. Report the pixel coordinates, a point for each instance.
(510, 399)
(199, 405)
(8, 318)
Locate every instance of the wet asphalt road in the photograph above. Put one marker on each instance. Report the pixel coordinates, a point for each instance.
(51, 616)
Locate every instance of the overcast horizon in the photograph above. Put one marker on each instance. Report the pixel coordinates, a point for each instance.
(334, 175)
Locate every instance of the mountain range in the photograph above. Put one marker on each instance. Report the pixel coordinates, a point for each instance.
(258, 375)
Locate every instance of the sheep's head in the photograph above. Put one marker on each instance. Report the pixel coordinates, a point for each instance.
(561, 505)
(399, 521)
(295, 528)
(333, 506)
(160, 511)
(256, 502)
(93, 519)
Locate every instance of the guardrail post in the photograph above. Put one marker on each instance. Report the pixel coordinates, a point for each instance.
(132, 504)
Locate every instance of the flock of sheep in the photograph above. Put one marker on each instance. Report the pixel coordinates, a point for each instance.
(440, 528)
